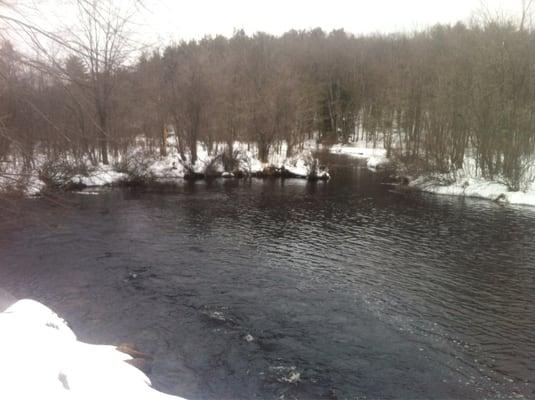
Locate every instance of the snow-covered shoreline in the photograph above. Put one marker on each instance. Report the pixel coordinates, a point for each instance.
(141, 165)
(466, 182)
(375, 156)
(475, 187)
(42, 359)
(469, 182)
(210, 162)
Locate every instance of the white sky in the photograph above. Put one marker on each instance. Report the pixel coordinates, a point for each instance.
(164, 21)
(193, 19)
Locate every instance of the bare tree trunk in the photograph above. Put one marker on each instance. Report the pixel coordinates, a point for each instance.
(103, 135)
(163, 144)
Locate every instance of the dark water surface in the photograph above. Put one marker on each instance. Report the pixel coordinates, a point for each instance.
(349, 289)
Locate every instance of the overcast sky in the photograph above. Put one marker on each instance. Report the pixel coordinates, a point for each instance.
(162, 21)
(187, 19)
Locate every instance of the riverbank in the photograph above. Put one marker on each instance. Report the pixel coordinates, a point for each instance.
(140, 166)
(375, 156)
(466, 182)
(42, 358)
(460, 184)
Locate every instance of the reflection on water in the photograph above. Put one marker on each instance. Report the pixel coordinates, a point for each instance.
(263, 289)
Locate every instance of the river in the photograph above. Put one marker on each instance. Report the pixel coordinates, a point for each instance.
(244, 289)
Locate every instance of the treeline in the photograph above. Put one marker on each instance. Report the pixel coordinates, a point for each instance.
(431, 98)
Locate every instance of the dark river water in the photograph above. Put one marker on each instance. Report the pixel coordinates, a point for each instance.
(270, 289)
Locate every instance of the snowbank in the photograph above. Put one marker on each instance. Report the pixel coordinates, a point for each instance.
(302, 163)
(461, 185)
(375, 162)
(174, 166)
(376, 157)
(469, 182)
(42, 359)
(29, 185)
(14, 176)
(34, 185)
(141, 163)
(465, 182)
(102, 175)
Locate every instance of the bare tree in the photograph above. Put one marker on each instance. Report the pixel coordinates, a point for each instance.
(103, 44)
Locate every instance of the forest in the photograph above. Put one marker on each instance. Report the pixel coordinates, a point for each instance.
(431, 98)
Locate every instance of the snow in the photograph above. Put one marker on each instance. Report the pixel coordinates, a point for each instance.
(323, 175)
(521, 198)
(42, 359)
(375, 162)
(205, 158)
(166, 168)
(299, 167)
(375, 156)
(34, 185)
(459, 184)
(14, 175)
(465, 182)
(301, 163)
(173, 166)
(141, 162)
(102, 175)
(87, 192)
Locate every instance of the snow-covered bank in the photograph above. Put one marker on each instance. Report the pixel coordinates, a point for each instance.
(376, 157)
(460, 184)
(466, 182)
(210, 162)
(142, 164)
(14, 177)
(101, 175)
(42, 359)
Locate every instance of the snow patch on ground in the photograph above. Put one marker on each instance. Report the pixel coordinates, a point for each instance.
(465, 182)
(375, 156)
(462, 184)
(34, 185)
(42, 359)
(142, 163)
(375, 162)
(210, 161)
(15, 176)
(101, 175)
(302, 163)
